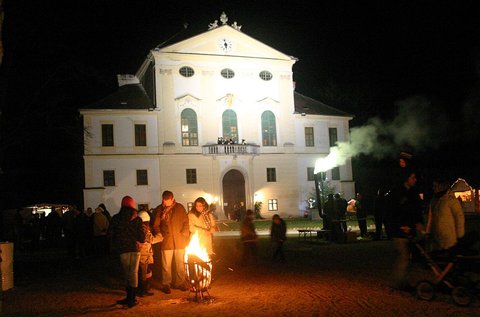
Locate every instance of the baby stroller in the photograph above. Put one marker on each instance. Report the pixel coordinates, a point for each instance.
(456, 271)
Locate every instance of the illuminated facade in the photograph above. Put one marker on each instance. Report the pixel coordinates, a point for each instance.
(215, 115)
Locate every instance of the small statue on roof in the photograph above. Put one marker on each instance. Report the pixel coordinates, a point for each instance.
(223, 18)
(213, 25)
(236, 26)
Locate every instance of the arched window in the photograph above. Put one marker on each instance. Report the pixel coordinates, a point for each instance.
(269, 130)
(229, 125)
(189, 128)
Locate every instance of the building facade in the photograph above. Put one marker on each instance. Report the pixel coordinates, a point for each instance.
(214, 115)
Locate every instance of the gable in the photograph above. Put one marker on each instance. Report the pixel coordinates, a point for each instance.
(225, 41)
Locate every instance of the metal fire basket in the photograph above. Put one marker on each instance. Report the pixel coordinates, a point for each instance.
(199, 276)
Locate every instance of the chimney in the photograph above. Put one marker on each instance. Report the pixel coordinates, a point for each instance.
(127, 79)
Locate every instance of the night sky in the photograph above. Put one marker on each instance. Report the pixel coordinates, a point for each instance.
(368, 58)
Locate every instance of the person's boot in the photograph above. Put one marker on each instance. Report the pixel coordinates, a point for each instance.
(146, 288)
(140, 288)
(131, 297)
(125, 300)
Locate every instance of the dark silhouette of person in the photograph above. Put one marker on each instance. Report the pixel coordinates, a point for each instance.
(361, 215)
(278, 235)
(249, 238)
(381, 215)
(340, 221)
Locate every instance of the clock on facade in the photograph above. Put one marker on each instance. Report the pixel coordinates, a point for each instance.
(225, 45)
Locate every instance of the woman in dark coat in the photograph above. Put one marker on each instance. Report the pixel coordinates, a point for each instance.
(127, 234)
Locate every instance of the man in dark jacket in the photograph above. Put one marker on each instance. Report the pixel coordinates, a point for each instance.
(126, 231)
(407, 220)
(171, 220)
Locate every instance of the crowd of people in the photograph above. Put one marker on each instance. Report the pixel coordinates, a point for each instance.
(142, 238)
(82, 233)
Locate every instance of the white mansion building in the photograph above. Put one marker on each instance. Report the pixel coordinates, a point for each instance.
(215, 115)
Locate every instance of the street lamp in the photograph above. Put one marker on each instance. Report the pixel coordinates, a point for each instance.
(320, 178)
(322, 165)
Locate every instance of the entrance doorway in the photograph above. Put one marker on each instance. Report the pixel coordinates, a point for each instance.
(234, 204)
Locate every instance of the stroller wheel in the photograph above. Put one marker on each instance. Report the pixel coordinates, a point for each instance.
(461, 296)
(425, 290)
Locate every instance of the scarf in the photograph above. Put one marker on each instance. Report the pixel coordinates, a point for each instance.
(167, 212)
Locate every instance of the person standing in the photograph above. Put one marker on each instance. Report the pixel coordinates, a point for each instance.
(380, 215)
(340, 221)
(171, 220)
(201, 220)
(361, 215)
(146, 256)
(446, 221)
(249, 239)
(127, 234)
(278, 235)
(100, 228)
(407, 220)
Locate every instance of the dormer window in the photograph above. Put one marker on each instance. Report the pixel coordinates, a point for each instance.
(186, 71)
(227, 73)
(265, 75)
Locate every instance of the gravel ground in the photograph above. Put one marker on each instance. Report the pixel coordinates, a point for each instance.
(318, 279)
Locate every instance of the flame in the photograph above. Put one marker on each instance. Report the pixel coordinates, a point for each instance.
(195, 248)
(199, 267)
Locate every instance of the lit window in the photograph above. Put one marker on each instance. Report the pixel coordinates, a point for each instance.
(310, 175)
(271, 174)
(227, 73)
(186, 71)
(107, 134)
(191, 176)
(229, 125)
(265, 75)
(109, 178)
(189, 128)
(140, 135)
(269, 130)
(272, 205)
(142, 177)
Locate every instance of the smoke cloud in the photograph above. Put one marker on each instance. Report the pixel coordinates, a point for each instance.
(417, 126)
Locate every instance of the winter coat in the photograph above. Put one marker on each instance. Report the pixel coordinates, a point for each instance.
(278, 232)
(406, 207)
(127, 234)
(247, 232)
(174, 228)
(204, 227)
(146, 251)
(100, 224)
(447, 220)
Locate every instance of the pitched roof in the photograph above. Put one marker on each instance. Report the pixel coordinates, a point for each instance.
(307, 105)
(130, 96)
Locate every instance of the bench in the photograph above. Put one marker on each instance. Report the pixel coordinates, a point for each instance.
(321, 233)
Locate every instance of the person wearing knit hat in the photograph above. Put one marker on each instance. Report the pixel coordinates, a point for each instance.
(128, 201)
(127, 233)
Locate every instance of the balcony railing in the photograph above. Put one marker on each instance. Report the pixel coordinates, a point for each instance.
(230, 149)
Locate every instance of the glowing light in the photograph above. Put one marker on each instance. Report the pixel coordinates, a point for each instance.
(258, 196)
(194, 248)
